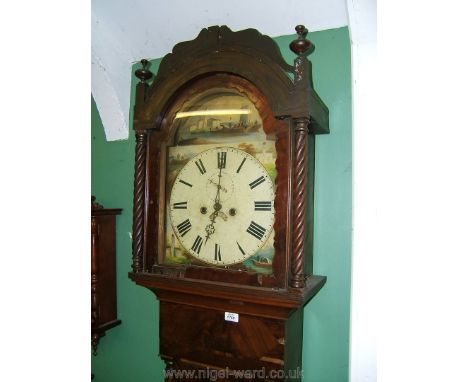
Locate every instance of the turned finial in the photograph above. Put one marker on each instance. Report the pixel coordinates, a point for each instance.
(143, 74)
(301, 45)
(95, 205)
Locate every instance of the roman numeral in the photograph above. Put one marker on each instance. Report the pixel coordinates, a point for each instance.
(256, 182)
(256, 230)
(217, 252)
(184, 227)
(181, 206)
(240, 248)
(262, 206)
(222, 160)
(184, 182)
(200, 166)
(197, 244)
(242, 163)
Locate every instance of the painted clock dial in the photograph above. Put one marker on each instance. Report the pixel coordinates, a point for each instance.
(221, 206)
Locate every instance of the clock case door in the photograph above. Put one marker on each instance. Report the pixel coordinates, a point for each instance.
(159, 142)
(251, 64)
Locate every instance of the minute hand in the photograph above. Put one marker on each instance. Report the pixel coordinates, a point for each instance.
(210, 229)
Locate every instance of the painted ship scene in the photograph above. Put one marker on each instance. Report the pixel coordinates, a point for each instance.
(219, 118)
(204, 130)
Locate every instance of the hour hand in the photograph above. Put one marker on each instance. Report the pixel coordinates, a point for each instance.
(210, 230)
(213, 216)
(222, 215)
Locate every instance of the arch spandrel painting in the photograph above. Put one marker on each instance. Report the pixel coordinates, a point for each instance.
(219, 116)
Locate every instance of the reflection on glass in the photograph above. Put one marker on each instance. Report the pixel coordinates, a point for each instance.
(195, 113)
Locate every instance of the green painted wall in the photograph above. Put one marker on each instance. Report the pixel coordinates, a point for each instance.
(128, 353)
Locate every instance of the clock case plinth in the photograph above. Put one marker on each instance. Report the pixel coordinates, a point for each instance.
(193, 332)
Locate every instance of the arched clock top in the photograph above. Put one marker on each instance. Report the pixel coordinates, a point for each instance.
(247, 54)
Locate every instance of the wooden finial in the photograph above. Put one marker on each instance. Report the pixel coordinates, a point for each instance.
(143, 74)
(95, 205)
(301, 45)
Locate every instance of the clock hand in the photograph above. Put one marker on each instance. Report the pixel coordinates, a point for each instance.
(213, 216)
(222, 215)
(210, 229)
(219, 186)
(217, 191)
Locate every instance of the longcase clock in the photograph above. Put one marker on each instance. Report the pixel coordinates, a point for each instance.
(224, 149)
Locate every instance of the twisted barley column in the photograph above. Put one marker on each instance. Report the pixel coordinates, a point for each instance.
(138, 201)
(299, 203)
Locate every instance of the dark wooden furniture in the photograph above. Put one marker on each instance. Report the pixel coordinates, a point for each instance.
(195, 298)
(103, 277)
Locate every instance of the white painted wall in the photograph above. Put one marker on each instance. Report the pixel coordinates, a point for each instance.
(362, 26)
(125, 31)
